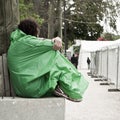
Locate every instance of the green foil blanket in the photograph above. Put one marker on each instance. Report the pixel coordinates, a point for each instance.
(36, 68)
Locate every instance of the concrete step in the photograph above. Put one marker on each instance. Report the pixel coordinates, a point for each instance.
(32, 109)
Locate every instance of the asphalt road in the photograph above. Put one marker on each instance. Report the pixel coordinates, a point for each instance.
(97, 104)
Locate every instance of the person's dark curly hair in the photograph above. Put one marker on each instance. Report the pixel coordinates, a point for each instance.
(29, 27)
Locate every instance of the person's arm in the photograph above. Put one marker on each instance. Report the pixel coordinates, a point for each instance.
(57, 43)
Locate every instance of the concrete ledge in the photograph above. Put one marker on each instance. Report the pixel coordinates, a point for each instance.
(32, 109)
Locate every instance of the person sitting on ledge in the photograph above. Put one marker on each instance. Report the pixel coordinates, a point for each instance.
(37, 68)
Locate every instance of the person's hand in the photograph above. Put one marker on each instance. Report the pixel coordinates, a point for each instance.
(57, 43)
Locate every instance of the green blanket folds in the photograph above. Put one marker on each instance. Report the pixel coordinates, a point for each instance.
(36, 68)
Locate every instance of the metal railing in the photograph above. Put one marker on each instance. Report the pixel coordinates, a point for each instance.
(106, 63)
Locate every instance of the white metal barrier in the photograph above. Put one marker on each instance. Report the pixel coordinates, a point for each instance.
(118, 69)
(93, 66)
(106, 63)
(112, 65)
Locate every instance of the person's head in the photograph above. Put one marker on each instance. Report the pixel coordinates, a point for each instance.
(29, 26)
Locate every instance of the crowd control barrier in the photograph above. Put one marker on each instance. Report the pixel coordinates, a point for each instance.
(105, 64)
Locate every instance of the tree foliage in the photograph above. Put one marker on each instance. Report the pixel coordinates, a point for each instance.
(26, 9)
(81, 18)
(110, 36)
(84, 17)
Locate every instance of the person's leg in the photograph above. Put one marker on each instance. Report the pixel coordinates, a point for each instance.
(70, 80)
(88, 66)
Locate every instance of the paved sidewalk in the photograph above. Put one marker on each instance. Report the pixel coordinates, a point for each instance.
(97, 104)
